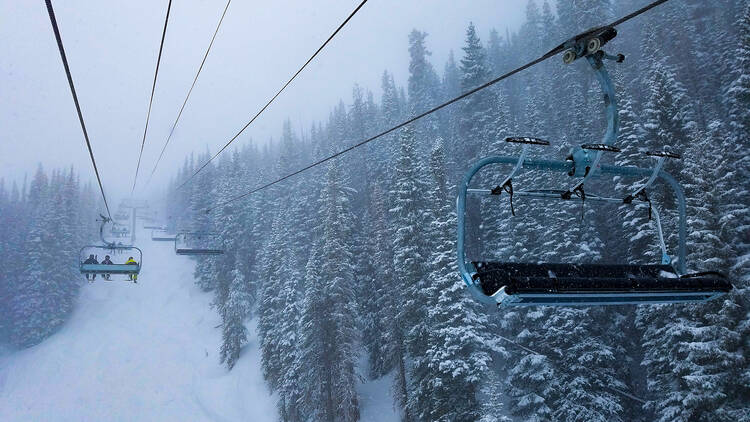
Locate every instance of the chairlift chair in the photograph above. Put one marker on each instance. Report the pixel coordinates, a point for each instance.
(110, 248)
(99, 251)
(118, 230)
(194, 243)
(161, 235)
(565, 284)
(120, 217)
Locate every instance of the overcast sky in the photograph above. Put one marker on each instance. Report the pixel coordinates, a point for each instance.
(112, 47)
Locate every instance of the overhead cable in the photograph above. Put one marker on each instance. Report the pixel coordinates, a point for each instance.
(549, 54)
(174, 125)
(153, 88)
(64, 58)
(351, 15)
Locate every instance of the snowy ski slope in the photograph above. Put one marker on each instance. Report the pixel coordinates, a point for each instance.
(146, 352)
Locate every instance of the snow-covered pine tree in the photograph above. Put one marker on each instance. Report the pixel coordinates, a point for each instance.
(378, 286)
(424, 87)
(407, 219)
(232, 297)
(271, 304)
(358, 166)
(449, 369)
(532, 383)
(451, 88)
(668, 118)
(236, 309)
(70, 236)
(475, 122)
(392, 110)
(29, 327)
(13, 224)
(588, 366)
(328, 314)
(497, 227)
(281, 278)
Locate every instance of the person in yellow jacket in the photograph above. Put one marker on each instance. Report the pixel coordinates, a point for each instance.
(132, 261)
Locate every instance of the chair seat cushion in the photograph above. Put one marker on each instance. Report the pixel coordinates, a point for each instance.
(558, 278)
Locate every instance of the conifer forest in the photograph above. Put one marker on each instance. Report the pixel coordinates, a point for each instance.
(346, 275)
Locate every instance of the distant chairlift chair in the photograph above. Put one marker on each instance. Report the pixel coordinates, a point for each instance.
(118, 251)
(121, 253)
(193, 243)
(524, 283)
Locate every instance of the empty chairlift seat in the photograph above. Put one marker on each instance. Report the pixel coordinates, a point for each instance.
(593, 284)
(160, 235)
(190, 243)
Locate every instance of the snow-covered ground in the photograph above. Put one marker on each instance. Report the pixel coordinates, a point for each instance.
(375, 401)
(146, 352)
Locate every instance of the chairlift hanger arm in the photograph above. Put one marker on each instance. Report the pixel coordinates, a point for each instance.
(583, 164)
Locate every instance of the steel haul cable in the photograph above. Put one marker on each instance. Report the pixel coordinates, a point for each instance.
(200, 68)
(549, 54)
(153, 88)
(351, 15)
(64, 58)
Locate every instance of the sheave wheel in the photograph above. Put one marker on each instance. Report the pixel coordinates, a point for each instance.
(592, 45)
(569, 56)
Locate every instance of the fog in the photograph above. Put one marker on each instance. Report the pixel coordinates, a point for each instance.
(112, 48)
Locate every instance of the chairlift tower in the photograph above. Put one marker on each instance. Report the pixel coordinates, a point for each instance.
(134, 205)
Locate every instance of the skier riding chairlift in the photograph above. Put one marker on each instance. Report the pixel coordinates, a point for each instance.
(91, 260)
(107, 261)
(133, 277)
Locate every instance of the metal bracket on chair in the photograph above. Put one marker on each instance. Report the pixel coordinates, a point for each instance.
(641, 194)
(659, 164)
(507, 185)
